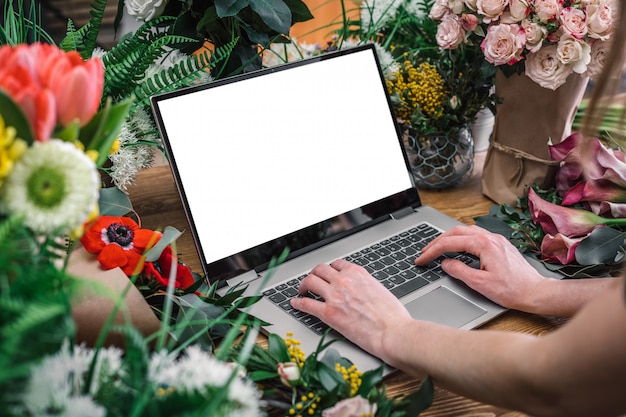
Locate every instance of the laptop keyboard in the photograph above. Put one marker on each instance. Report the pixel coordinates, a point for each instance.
(390, 261)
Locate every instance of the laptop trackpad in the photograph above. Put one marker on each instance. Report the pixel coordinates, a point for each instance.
(444, 306)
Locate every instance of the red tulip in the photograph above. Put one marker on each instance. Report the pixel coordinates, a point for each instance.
(559, 248)
(570, 222)
(51, 86)
(69, 77)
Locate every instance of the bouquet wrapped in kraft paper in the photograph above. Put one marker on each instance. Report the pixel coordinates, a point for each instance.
(528, 118)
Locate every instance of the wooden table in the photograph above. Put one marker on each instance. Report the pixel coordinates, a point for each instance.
(156, 200)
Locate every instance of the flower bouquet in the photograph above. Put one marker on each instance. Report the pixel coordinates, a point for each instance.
(579, 226)
(324, 383)
(547, 40)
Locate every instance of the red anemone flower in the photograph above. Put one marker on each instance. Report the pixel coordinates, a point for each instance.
(160, 270)
(119, 242)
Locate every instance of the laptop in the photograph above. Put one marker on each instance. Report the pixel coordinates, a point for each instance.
(307, 156)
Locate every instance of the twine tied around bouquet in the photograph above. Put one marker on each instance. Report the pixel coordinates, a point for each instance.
(519, 156)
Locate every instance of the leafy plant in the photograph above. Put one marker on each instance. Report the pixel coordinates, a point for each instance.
(250, 22)
(21, 24)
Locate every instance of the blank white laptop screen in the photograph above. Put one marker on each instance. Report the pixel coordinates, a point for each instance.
(265, 156)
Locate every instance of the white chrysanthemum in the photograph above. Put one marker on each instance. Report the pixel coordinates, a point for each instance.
(197, 371)
(54, 186)
(280, 53)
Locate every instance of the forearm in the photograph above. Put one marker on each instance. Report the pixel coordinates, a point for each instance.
(562, 297)
(483, 365)
(577, 370)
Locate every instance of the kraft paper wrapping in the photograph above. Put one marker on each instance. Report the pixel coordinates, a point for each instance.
(94, 305)
(525, 121)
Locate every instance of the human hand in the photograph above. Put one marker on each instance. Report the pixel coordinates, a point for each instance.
(504, 275)
(355, 304)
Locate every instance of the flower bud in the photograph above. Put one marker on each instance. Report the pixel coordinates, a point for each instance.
(289, 373)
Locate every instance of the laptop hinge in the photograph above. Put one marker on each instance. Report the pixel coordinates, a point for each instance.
(397, 215)
(243, 279)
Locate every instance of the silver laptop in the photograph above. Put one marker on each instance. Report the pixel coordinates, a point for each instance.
(307, 156)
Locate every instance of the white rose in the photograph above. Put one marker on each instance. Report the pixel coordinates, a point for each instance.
(544, 68)
(600, 21)
(145, 10)
(504, 44)
(491, 9)
(599, 52)
(450, 32)
(535, 34)
(574, 53)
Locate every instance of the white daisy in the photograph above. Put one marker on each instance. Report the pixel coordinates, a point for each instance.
(54, 186)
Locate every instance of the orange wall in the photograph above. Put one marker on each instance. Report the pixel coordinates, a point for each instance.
(325, 13)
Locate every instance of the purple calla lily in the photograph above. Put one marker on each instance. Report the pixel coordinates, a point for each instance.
(570, 222)
(559, 248)
(606, 208)
(593, 190)
(607, 164)
(559, 151)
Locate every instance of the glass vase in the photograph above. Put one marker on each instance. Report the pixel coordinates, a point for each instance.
(440, 160)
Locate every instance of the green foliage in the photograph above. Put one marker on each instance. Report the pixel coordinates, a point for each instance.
(22, 24)
(35, 313)
(250, 22)
(322, 384)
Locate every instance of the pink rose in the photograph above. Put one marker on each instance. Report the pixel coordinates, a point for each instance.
(544, 68)
(471, 5)
(504, 44)
(450, 32)
(491, 9)
(469, 22)
(599, 53)
(547, 10)
(517, 11)
(439, 10)
(535, 34)
(351, 407)
(573, 22)
(456, 6)
(600, 20)
(574, 53)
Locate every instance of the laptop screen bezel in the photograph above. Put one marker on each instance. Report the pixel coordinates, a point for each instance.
(410, 197)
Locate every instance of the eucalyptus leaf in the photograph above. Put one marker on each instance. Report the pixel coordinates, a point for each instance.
(114, 202)
(329, 377)
(421, 399)
(170, 234)
(494, 225)
(600, 247)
